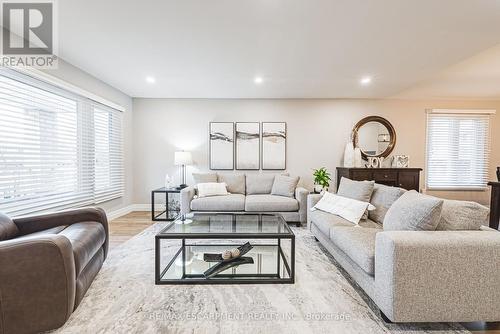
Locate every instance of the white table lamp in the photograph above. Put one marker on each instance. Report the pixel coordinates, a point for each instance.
(183, 159)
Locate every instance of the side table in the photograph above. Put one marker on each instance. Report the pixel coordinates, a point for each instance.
(169, 214)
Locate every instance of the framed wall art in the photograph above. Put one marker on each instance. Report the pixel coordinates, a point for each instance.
(221, 138)
(273, 145)
(248, 145)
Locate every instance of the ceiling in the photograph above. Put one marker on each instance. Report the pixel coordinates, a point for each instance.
(301, 48)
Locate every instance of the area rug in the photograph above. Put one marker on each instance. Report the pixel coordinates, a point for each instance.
(124, 299)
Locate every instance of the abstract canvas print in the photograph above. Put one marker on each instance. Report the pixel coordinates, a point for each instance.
(274, 145)
(221, 145)
(248, 145)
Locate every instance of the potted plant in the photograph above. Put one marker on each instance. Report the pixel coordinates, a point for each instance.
(321, 179)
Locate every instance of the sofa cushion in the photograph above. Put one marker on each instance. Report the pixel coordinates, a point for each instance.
(358, 243)
(324, 221)
(259, 183)
(8, 229)
(270, 203)
(462, 215)
(86, 239)
(53, 230)
(204, 177)
(382, 198)
(232, 202)
(284, 185)
(235, 183)
(413, 212)
(358, 190)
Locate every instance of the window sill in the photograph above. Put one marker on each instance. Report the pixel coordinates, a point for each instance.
(478, 189)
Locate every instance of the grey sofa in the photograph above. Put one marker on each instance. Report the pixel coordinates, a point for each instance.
(416, 276)
(248, 193)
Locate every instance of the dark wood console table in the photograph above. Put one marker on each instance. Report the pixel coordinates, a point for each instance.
(407, 178)
(494, 204)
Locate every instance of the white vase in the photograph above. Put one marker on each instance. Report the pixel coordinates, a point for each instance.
(318, 188)
(358, 160)
(349, 155)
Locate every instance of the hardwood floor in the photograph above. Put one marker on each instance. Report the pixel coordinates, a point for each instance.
(123, 228)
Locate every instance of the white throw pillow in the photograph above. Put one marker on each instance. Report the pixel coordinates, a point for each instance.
(212, 189)
(347, 208)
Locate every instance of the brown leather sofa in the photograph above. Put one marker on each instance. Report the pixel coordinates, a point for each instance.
(47, 263)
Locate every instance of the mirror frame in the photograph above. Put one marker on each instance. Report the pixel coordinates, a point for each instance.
(390, 129)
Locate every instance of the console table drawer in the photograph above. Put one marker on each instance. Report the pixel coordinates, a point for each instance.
(407, 178)
(361, 175)
(385, 176)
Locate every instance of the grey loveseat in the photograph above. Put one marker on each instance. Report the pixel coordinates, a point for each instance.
(415, 276)
(248, 193)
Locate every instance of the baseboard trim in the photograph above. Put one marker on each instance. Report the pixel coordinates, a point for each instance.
(128, 209)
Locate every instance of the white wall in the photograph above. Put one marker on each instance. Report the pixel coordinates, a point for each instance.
(317, 133)
(81, 79)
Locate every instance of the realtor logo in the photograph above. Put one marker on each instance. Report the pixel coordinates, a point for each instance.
(28, 36)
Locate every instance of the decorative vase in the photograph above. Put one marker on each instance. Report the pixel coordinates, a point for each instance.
(318, 188)
(349, 155)
(168, 181)
(358, 160)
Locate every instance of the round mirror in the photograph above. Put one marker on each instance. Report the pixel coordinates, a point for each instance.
(375, 136)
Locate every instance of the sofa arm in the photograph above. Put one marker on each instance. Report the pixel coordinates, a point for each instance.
(187, 195)
(35, 223)
(301, 196)
(429, 276)
(312, 199)
(37, 283)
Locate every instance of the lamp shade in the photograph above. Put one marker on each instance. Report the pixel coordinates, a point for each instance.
(183, 158)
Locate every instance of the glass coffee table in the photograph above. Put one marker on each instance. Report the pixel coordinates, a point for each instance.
(273, 251)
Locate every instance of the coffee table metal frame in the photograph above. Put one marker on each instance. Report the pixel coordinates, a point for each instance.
(226, 278)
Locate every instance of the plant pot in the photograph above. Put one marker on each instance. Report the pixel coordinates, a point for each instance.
(318, 188)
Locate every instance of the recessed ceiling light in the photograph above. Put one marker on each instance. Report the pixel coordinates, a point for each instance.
(365, 81)
(150, 79)
(258, 80)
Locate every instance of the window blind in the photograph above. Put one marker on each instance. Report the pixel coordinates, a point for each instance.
(458, 151)
(57, 149)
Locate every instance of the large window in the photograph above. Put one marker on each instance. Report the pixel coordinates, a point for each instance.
(57, 149)
(458, 150)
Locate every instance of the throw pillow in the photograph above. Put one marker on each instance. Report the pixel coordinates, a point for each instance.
(358, 190)
(463, 215)
(204, 178)
(413, 212)
(382, 198)
(284, 185)
(259, 184)
(347, 208)
(235, 183)
(212, 189)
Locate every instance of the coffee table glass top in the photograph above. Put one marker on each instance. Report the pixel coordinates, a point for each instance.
(233, 224)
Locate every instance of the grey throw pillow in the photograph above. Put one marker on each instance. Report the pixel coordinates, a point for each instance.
(359, 190)
(284, 185)
(204, 177)
(382, 199)
(235, 183)
(259, 183)
(413, 212)
(462, 215)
